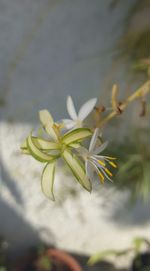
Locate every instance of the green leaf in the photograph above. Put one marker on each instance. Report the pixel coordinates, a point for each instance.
(101, 256)
(47, 123)
(47, 181)
(41, 144)
(77, 168)
(36, 153)
(76, 135)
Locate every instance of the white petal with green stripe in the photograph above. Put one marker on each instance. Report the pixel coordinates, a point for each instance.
(45, 144)
(45, 117)
(47, 181)
(75, 145)
(25, 151)
(77, 169)
(47, 123)
(24, 145)
(42, 144)
(76, 135)
(36, 153)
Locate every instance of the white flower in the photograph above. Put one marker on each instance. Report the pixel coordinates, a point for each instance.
(76, 120)
(96, 162)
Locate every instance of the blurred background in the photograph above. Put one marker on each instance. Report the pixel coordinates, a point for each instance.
(50, 49)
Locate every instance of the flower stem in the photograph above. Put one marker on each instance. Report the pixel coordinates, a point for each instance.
(141, 92)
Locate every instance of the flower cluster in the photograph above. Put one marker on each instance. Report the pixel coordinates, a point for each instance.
(64, 139)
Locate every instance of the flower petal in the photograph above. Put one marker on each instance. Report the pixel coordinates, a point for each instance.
(77, 169)
(45, 117)
(68, 123)
(71, 108)
(89, 169)
(24, 145)
(75, 145)
(47, 180)
(41, 144)
(83, 151)
(94, 139)
(86, 108)
(76, 135)
(37, 153)
(47, 123)
(100, 148)
(25, 151)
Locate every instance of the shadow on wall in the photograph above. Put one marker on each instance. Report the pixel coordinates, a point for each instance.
(119, 209)
(18, 233)
(17, 236)
(13, 227)
(132, 215)
(10, 184)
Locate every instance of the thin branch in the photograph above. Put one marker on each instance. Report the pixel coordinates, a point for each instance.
(141, 92)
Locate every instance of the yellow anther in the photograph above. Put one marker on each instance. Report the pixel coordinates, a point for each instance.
(108, 172)
(101, 163)
(112, 164)
(101, 177)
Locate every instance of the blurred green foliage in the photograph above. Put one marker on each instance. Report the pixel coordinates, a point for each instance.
(134, 43)
(134, 164)
(134, 151)
(133, 46)
(43, 260)
(135, 248)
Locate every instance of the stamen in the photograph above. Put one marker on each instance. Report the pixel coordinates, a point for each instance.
(112, 164)
(108, 172)
(101, 162)
(102, 178)
(110, 157)
(107, 177)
